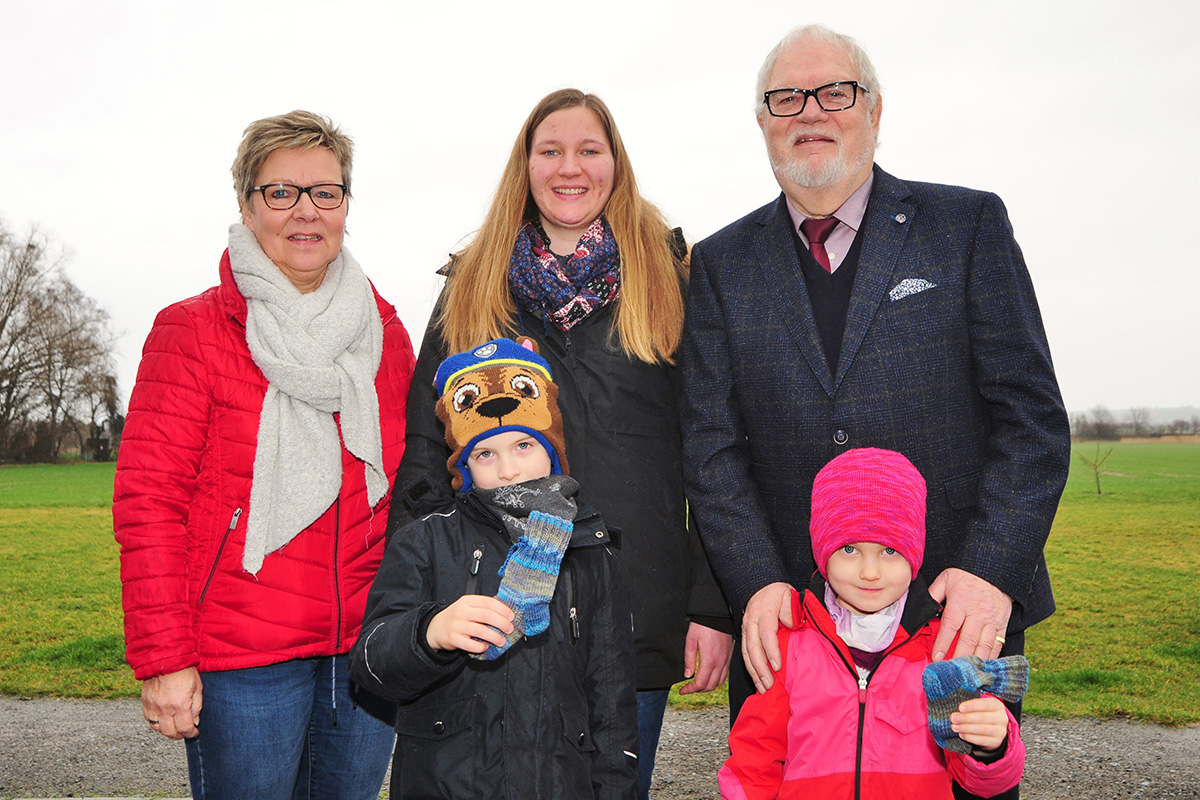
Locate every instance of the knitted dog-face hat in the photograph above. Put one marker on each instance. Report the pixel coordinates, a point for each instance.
(498, 387)
(869, 495)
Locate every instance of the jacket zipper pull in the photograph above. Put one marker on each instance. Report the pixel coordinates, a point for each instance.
(862, 691)
(237, 514)
(476, 558)
(574, 623)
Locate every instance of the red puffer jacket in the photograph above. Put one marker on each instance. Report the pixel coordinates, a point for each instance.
(183, 489)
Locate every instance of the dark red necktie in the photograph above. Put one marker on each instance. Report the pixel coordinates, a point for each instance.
(817, 231)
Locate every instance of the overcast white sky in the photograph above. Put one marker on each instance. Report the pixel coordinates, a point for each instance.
(121, 120)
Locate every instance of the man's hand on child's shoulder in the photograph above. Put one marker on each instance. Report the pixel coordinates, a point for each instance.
(470, 624)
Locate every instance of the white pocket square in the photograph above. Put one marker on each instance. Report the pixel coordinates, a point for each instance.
(909, 286)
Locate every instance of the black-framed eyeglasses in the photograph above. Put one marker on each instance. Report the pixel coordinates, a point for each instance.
(282, 196)
(830, 97)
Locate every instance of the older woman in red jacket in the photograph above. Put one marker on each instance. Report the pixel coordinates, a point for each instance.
(253, 485)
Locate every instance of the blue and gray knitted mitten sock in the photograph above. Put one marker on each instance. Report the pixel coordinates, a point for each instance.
(951, 682)
(540, 516)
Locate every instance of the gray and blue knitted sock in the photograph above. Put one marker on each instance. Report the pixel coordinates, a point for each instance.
(540, 515)
(951, 682)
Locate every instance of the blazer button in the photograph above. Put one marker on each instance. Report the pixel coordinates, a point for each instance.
(840, 437)
(439, 727)
(582, 739)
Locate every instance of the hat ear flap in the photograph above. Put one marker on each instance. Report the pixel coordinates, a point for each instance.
(555, 433)
(456, 447)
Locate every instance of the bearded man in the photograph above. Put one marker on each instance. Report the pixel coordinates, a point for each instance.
(860, 310)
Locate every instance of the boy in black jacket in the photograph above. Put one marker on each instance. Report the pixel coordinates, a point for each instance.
(500, 622)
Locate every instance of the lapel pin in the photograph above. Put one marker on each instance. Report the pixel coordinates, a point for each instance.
(900, 218)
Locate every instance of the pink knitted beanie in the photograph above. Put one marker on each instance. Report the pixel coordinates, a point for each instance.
(869, 495)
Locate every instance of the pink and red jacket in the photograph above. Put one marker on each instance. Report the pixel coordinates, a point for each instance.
(182, 493)
(820, 731)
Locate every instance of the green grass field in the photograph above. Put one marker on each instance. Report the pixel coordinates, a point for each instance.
(1125, 566)
(60, 588)
(1126, 572)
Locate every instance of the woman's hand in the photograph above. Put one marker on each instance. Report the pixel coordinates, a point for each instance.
(706, 657)
(171, 703)
(470, 624)
(982, 722)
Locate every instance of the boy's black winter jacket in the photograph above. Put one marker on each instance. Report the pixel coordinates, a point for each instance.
(554, 717)
(624, 448)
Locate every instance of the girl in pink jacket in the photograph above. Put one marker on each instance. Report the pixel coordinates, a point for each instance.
(846, 716)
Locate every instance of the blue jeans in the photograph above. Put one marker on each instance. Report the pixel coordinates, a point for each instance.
(651, 707)
(287, 732)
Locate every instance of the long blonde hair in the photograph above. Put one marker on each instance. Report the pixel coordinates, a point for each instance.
(478, 305)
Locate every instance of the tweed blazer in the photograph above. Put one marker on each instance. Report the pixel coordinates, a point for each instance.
(944, 359)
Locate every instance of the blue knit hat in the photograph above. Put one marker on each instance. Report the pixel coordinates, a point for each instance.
(497, 387)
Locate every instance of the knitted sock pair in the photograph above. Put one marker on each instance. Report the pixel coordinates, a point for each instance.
(539, 515)
(951, 682)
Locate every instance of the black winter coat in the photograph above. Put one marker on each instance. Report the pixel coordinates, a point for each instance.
(553, 717)
(624, 449)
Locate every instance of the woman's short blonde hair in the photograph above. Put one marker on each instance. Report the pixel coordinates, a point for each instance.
(302, 129)
(477, 304)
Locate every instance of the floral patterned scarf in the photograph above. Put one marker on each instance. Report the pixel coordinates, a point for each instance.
(566, 291)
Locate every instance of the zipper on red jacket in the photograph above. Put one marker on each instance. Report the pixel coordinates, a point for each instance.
(862, 718)
(862, 706)
(863, 682)
(337, 584)
(217, 561)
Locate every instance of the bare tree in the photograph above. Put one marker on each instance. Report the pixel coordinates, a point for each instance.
(1195, 425)
(1094, 464)
(23, 267)
(72, 345)
(1081, 428)
(1104, 424)
(1139, 421)
(55, 346)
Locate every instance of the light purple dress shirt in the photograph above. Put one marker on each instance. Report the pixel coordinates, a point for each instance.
(849, 216)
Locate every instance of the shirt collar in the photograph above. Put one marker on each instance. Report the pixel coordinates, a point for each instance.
(850, 213)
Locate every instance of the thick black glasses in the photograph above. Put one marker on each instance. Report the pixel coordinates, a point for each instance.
(282, 196)
(830, 97)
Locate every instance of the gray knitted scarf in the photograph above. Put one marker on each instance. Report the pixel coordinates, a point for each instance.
(319, 353)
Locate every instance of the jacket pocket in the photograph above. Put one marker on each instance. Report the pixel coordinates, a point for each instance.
(575, 730)
(901, 710)
(962, 491)
(437, 749)
(435, 721)
(896, 697)
(212, 572)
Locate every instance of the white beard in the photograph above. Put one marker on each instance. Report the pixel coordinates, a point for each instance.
(809, 176)
(818, 176)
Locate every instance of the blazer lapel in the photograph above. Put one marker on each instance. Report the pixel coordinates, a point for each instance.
(784, 289)
(885, 230)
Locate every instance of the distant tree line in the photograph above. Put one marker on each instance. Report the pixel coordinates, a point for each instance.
(1100, 424)
(58, 386)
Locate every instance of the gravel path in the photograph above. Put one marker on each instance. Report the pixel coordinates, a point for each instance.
(101, 748)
